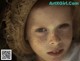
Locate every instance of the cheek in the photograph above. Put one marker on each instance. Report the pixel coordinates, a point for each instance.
(66, 36)
(41, 38)
(35, 39)
(37, 43)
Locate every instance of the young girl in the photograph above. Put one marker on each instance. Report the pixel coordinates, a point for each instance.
(39, 32)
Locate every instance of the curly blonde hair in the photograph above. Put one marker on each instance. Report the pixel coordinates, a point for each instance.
(15, 16)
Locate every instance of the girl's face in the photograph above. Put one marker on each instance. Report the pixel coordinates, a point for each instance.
(49, 31)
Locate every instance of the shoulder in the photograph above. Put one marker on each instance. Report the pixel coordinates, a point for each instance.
(78, 51)
(79, 48)
(75, 53)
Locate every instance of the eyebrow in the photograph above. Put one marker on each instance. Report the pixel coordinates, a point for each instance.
(64, 24)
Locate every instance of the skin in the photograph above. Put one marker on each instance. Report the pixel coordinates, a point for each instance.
(50, 29)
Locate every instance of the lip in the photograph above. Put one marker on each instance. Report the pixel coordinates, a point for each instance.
(55, 53)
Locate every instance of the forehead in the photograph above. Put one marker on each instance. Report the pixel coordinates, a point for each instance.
(50, 14)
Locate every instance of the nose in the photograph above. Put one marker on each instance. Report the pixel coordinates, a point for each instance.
(54, 39)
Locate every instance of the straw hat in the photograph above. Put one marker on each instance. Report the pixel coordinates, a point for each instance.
(15, 16)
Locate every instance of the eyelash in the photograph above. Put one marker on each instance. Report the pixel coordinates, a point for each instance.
(41, 30)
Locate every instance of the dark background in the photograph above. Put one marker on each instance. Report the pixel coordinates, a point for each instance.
(3, 44)
(2, 25)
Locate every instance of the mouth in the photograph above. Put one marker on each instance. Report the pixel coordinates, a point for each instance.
(55, 53)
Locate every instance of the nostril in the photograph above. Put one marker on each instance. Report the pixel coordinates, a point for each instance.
(51, 43)
(54, 42)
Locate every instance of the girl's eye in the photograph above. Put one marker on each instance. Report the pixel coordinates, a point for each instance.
(41, 30)
(63, 26)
